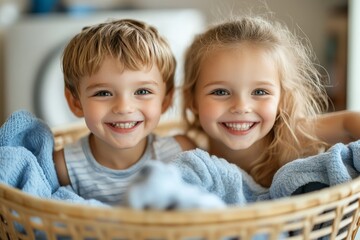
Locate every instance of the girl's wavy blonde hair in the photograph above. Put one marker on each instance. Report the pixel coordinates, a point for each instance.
(133, 43)
(303, 94)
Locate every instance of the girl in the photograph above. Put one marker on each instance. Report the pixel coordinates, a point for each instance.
(251, 86)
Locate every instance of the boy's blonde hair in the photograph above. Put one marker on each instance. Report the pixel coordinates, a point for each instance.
(303, 94)
(133, 43)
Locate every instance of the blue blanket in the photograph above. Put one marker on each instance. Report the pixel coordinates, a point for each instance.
(233, 186)
(218, 176)
(26, 159)
(340, 164)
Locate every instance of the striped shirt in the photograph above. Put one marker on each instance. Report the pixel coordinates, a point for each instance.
(91, 180)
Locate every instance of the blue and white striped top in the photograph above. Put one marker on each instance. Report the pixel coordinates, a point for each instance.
(91, 180)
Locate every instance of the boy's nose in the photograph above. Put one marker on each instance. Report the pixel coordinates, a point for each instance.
(122, 105)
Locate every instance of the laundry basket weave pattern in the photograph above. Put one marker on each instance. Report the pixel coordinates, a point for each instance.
(332, 213)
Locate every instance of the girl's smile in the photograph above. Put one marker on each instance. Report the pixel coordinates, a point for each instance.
(237, 96)
(240, 128)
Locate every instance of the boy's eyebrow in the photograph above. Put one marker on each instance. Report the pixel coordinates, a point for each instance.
(149, 82)
(96, 85)
(143, 82)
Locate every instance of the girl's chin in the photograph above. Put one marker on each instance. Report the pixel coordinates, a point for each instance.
(238, 148)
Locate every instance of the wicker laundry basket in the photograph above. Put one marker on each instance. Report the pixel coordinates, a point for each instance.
(332, 212)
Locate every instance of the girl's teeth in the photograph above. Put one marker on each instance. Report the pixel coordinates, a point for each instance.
(239, 126)
(124, 125)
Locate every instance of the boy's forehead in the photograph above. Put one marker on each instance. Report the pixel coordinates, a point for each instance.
(111, 64)
(131, 64)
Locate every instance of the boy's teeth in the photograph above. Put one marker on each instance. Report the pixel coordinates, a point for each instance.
(124, 125)
(239, 126)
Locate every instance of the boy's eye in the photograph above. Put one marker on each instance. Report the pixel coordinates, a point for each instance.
(103, 94)
(260, 92)
(220, 92)
(142, 92)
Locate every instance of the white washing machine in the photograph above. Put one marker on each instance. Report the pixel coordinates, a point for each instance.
(33, 48)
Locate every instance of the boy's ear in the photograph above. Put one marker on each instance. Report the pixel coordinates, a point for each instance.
(74, 104)
(167, 101)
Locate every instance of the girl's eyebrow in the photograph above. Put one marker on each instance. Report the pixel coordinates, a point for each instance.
(256, 82)
(216, 83)
(263, 82)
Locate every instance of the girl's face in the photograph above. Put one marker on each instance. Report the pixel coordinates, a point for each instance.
(121, 107)
(237, 96)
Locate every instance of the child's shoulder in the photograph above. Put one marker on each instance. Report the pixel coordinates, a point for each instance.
(60, 167)
(68, 141)
(173, 141)
(185, 142)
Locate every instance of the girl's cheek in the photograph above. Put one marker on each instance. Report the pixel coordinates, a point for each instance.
(271, 110)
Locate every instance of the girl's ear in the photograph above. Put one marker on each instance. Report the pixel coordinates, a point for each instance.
(193, 105)
(74, 104)
(167, 101)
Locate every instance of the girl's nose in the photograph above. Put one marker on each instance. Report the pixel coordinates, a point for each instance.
(240, 105)
(122, 105)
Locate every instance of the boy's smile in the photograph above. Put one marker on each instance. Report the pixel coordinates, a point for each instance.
(124, 127)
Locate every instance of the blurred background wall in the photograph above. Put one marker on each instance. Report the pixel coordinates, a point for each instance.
(324, 22)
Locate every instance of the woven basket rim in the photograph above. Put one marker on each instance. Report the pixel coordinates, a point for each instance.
(262, 209)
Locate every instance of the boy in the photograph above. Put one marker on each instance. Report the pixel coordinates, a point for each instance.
(119, 76)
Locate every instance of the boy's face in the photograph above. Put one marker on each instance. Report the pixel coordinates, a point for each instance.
(237, 96)
(121, 107)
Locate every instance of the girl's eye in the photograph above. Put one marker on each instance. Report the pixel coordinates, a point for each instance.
(220, 92)
(142, 92)
(260, 92)
(103, 94)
